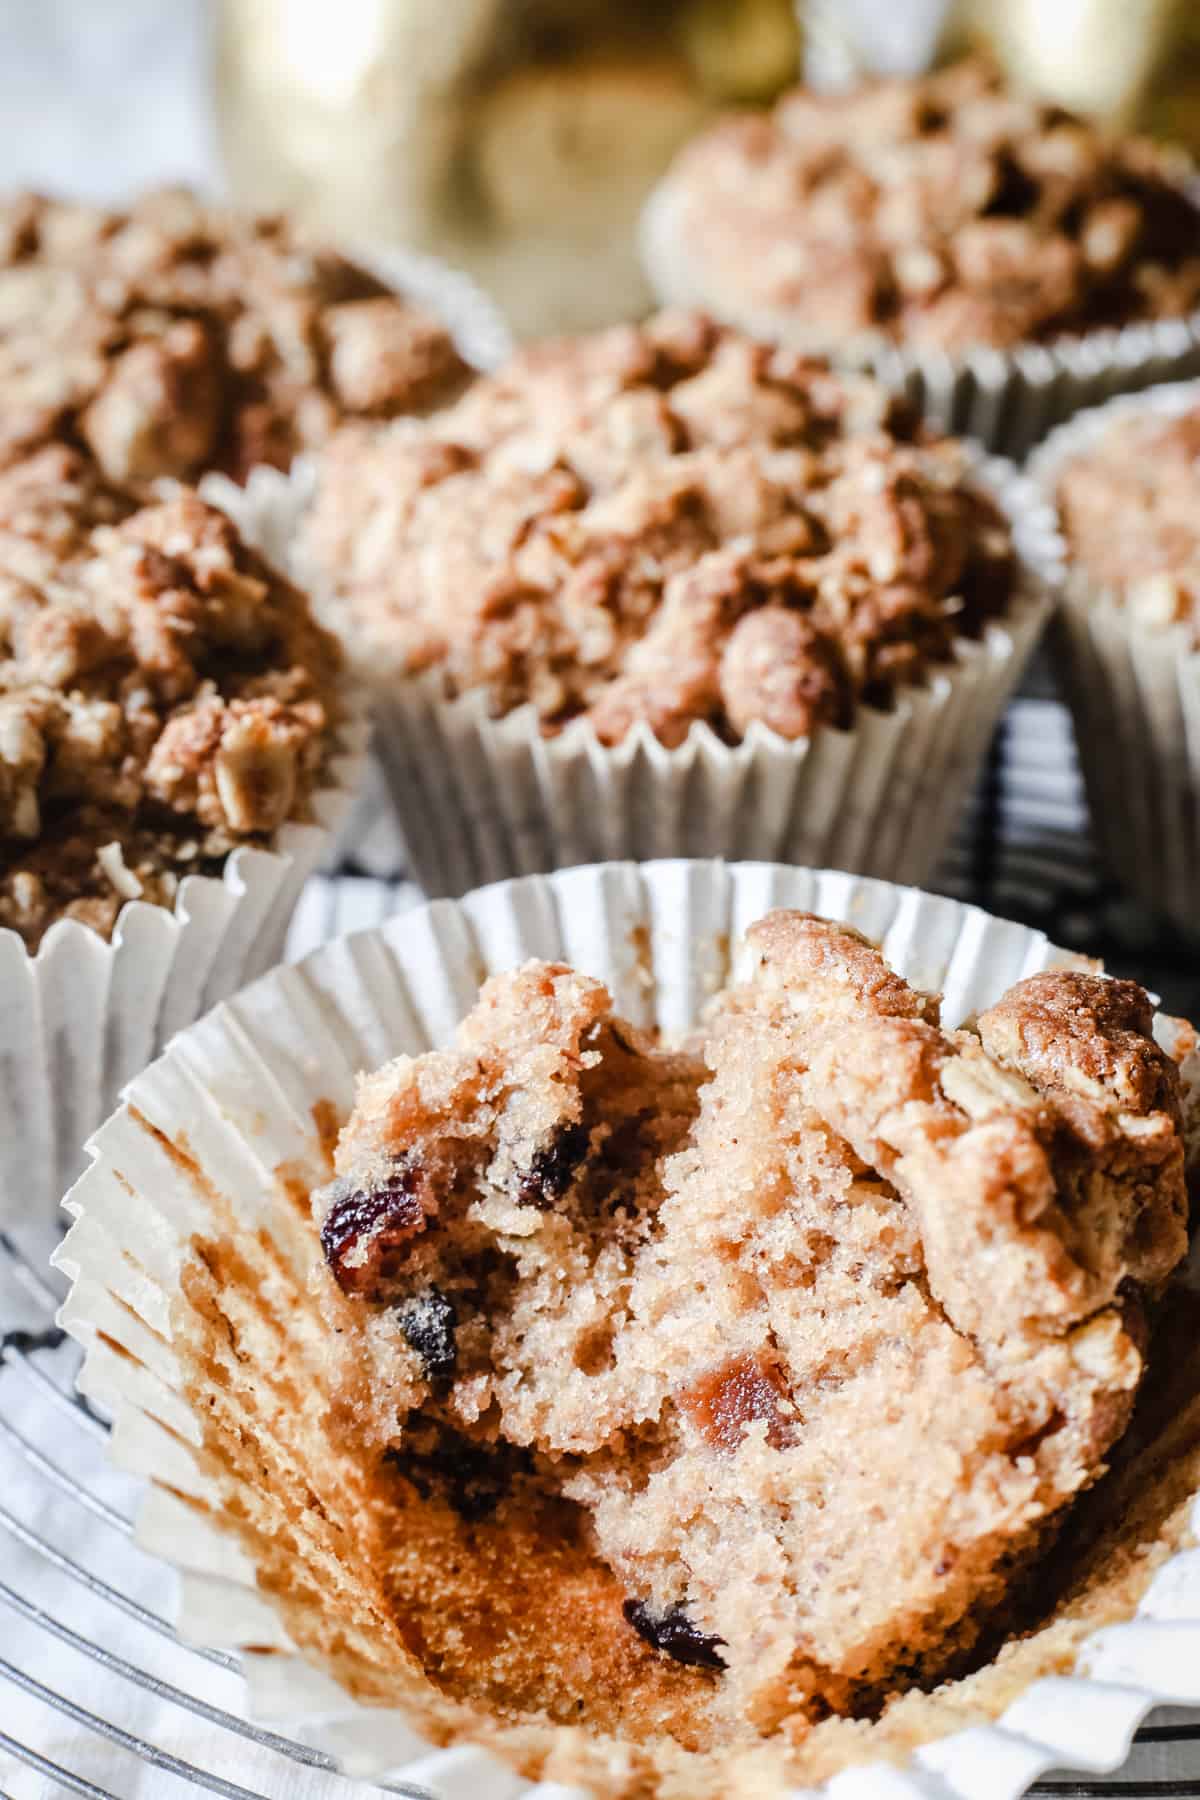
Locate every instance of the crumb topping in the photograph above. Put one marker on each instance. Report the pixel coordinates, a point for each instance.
(179, 337)
(165, 695)
(823, 1323)
(661, 524)
(942, 211)
(1145, 470)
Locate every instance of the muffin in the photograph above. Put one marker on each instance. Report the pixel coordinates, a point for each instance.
(173, 735)
(663, 1412)
(1127, 486)
(665, 589)
(179, 337)
(1001, 259)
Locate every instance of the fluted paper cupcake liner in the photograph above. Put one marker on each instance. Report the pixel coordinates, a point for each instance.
(1006, 399)
(481, 799)
(484, 340)
(203, 1169)
(84, 1014)
(1134, 693)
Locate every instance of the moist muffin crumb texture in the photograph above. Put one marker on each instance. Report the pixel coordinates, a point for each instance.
(1144, 471)
(165, 695)
(816, 1326)
(660, 525)
(942, 211)
(179, 337)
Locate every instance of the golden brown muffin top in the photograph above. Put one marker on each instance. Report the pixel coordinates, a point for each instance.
(821, 1324)
(942, 211)
(1130, 511)
(165, 695)
(664, 524)
(180, 336)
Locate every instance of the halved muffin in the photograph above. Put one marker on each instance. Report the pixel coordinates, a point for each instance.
(823, 1322)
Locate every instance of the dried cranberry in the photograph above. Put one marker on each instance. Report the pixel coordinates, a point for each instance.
(673, 1633)
(429, 1322)
(370, 1226)
(549, 1174)
(722, 1404)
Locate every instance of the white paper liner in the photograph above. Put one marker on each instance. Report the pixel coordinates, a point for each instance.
(84, 1014)
(480, 799)
(237, 1091)
(1006, 399)
(1134, 693)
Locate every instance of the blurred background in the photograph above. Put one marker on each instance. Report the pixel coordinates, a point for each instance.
(516, 138)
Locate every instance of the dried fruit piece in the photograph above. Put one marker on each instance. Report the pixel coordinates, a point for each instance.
(364, 1230)
(549, 1174)
(724, 1403)
(429, 1322)
(673, 1633)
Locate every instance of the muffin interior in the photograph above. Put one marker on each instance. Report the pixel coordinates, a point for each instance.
(787, 1362)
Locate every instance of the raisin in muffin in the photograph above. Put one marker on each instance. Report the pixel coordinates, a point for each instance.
(941, 228)
(165, 696)
(178, 337)
(1126, 482)
(820, 1324)
(666, 535)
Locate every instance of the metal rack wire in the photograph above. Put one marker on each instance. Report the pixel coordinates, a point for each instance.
(98, 1697)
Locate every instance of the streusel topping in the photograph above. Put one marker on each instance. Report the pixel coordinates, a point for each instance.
(667, 523)
(179, 336)
(1130, 510)
(942, 211)
(823, 1330)
(165, 695)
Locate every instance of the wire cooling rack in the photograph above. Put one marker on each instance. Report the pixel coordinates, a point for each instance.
(97, 1695)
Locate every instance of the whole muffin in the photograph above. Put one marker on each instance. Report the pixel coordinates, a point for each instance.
(674, 545)
(1126, 481)
(932, 218)
(173, 737)
(178, 337)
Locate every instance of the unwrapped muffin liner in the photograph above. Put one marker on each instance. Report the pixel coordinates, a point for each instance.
(84, 1014)
(1134, 692)
(235, 1096)
(482, 799)
(1006, 399)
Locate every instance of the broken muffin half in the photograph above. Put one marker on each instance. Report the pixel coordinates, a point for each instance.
(822, 1319)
